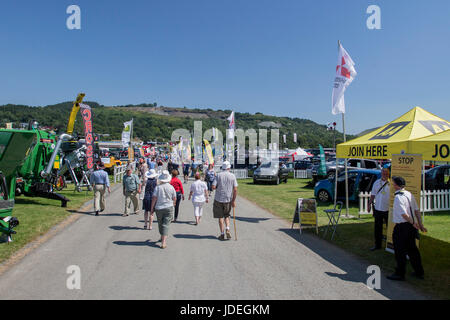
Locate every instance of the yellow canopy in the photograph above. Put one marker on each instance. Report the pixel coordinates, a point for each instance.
(394, 137)
(434, 148)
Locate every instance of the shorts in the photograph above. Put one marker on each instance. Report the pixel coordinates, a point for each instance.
(221, 210)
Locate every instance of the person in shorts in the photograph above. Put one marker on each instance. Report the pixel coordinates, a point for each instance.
(225, 185)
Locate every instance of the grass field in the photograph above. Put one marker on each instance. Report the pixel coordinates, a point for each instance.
(356, 235)
(38, 215)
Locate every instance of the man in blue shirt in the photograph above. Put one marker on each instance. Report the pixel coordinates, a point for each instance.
(100, 181)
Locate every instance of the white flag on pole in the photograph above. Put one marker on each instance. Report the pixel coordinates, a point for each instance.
(126, 134)
(231, 126)
(295, 137)
(345, 73)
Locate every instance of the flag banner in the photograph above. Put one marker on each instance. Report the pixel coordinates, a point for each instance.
(284, 138)
(86, 113)
(295, 137)
(232, 124)
(208, 152)
(322, 168)
(126, 134)
(345, 73)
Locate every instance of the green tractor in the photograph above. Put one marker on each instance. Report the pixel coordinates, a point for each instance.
(14, 148)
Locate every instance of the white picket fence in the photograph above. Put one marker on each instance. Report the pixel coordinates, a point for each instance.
(119, 172)
(430, 201)
(240, 173)
(302, 174)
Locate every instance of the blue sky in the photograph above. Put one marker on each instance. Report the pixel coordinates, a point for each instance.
(276, 57)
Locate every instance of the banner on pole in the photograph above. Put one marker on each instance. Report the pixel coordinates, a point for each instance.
(126, 134)
(345, 73)
(86, 114)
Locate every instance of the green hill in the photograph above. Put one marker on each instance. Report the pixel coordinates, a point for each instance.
(152, 122)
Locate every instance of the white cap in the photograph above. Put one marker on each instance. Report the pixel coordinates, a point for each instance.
(226, 165)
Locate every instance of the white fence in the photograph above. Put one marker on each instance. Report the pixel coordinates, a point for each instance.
(430, 201)
(240, 173)
(302, 174)
(119, 172)
(437, 200)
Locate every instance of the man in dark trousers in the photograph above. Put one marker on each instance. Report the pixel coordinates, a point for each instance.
(407, 219)
(381, 196)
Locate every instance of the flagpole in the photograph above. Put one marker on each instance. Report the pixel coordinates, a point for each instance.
(345, 162)
(346, 170)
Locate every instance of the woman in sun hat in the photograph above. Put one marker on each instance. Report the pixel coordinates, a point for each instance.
(164, 199)
(150, 186)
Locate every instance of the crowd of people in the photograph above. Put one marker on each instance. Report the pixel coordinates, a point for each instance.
(161, 191)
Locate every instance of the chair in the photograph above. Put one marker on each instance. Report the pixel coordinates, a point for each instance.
(333, 221)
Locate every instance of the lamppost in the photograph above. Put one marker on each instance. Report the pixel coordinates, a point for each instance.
(332, 126)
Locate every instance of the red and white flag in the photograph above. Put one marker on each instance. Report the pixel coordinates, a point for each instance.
(232, 124)
(345, 73)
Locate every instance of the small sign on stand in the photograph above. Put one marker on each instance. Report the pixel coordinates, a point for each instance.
(306, 214)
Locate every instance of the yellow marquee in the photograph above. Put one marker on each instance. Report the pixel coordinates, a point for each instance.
(394, 137)
(434, 148)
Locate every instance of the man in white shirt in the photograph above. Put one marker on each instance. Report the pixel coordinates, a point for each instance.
(407, 218)
(381, 196)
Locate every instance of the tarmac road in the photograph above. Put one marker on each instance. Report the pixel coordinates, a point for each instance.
(120, 260)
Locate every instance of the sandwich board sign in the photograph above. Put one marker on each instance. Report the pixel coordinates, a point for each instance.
(306, 214)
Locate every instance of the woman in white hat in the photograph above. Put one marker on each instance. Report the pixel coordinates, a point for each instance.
(164, 199)
(148, 194)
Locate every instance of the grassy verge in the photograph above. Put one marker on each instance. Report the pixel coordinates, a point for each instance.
(356, 235)
(38, 215)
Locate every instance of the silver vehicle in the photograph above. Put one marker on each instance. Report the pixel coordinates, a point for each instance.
(270, 172)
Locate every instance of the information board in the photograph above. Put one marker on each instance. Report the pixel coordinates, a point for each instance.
(306, 214)
(409, 167)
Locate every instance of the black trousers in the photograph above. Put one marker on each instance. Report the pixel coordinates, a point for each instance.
(177, 205)
(404, 238)
(380, 218)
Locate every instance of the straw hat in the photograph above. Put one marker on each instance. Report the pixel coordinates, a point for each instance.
(165, 177)
(151, 174)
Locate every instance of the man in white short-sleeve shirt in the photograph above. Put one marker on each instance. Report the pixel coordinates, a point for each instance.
(381, 196)
(408, 221)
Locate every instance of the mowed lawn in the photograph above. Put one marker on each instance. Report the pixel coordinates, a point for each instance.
(356, 235)
(38, 215)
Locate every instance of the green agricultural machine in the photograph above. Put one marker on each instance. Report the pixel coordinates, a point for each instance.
(14, 148)
(27, 161)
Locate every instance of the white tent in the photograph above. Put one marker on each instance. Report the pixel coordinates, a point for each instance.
(300, 154)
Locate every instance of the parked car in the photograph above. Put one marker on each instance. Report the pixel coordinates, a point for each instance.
(438, 178)
(359, 180)
(351, 164)
(270, 172)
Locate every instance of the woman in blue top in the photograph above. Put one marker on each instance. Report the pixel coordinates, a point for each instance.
(147, 202)
(210, 176)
